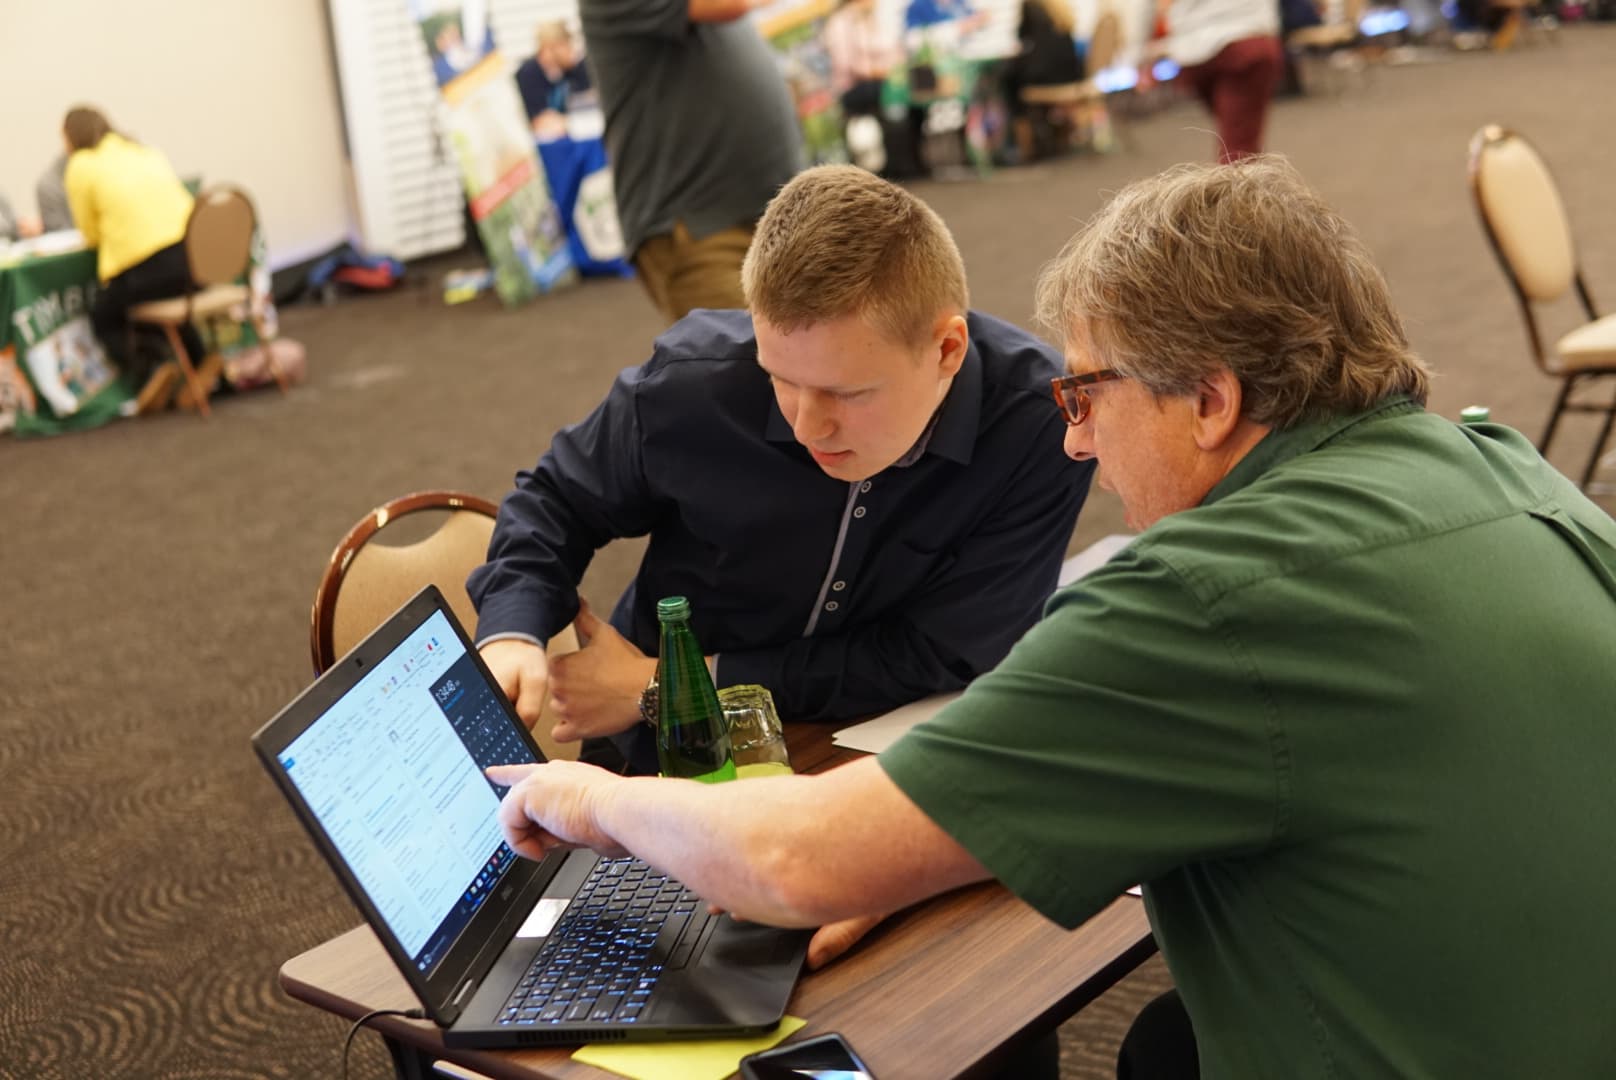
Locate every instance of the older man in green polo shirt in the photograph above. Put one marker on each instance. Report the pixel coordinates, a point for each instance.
(1346, 706)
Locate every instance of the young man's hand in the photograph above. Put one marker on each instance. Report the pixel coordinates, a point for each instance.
(523, 672)
(596, 690)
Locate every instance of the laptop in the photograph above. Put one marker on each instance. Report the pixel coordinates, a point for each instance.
(382, 759)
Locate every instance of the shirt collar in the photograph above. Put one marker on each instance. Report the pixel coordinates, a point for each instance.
(951, 432)
(1278, 447)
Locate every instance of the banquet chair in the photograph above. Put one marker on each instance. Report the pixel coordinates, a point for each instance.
(218, 251)
(366, 581)
(1332, 51)
(1526, 223)
(1075, 113)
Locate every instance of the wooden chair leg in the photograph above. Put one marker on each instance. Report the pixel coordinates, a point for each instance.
(199, 393)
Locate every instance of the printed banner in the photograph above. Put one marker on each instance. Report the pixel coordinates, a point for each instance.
(520, 229)
(54, 375)
(794, 28)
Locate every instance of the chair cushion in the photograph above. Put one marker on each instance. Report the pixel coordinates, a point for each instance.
(1320, 37)
(1592, 345)
(213, 300)
(1059, 93)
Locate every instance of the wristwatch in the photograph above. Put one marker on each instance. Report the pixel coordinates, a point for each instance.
(649, 700)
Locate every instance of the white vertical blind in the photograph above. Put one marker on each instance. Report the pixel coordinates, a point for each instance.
(406, 183)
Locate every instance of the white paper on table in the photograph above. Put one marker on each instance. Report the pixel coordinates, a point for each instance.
(1093, 557)
(874, 736)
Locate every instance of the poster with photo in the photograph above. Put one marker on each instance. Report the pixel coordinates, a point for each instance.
(488, 130)
(794, 28)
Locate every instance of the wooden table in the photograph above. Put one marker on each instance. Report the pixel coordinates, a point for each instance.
(946, 988)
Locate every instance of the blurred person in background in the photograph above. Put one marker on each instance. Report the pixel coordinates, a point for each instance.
(130, 205)
(549, 79)
(1047, 57)
(866, 51)
(1231, 58)
(13, 227)
(51, 194)
(701, 132)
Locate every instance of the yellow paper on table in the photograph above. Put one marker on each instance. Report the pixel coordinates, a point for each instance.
(694, 1059)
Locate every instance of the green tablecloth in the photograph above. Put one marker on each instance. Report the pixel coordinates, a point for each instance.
(54, 375)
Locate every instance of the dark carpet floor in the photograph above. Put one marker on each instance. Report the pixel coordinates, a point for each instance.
(158, 573)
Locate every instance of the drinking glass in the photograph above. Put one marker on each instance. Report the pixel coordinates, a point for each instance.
(755, 735)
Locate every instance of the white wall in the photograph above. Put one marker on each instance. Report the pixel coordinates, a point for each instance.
(232, 90)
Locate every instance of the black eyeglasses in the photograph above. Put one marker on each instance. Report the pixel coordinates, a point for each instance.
(1071, 396)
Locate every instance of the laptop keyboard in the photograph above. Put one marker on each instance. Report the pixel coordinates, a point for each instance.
(627, 925)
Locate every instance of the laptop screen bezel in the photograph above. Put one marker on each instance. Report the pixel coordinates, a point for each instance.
(481, 941)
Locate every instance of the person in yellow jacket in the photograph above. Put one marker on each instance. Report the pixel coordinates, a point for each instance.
(130, 205)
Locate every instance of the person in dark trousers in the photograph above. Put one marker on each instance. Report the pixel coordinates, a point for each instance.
(130, 205)
(1047, 57)
(1232, 60)
(700, 131)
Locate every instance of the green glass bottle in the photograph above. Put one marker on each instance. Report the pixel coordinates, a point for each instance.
(692, 736)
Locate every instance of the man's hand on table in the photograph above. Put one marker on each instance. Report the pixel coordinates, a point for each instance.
(523, 672)
(596, 690)
(833, 939)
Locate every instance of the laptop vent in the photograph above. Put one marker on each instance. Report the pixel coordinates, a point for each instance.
(571, 1038)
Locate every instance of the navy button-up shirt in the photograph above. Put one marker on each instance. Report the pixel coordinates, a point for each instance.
(843, 599)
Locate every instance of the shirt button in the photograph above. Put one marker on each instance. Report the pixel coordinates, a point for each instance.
(838, 586)
(865, 486)
(832, 606)
(858, 511)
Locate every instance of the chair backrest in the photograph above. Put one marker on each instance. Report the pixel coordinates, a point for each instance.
(218, 237)
(366, 582)
(1522, 213)
(1103, 43)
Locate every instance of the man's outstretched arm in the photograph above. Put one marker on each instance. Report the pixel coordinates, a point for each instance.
(788, 850)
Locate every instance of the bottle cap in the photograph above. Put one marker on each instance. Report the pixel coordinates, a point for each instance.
(1474, 414)
(673, 607)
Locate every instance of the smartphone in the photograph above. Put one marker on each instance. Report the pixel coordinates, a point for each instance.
(827, 1057)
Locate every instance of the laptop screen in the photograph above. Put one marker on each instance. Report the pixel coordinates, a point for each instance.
(393, 772)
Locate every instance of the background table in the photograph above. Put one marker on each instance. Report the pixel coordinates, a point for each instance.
(54, 375)
(943, 989)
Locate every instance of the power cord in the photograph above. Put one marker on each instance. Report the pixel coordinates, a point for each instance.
(347, 1044)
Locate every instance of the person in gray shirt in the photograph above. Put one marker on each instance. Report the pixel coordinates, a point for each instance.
(51, 194)
(701, 132)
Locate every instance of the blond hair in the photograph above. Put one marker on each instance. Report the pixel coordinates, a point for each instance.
(554, 32)
(1060, 14)
(1241, 266)
(839, 241)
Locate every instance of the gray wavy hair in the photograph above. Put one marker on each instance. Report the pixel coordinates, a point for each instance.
(1242, 266)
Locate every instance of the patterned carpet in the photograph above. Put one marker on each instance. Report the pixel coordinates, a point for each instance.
(159, 572)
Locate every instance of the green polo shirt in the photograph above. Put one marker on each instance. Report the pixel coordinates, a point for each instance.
(1353, 722)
